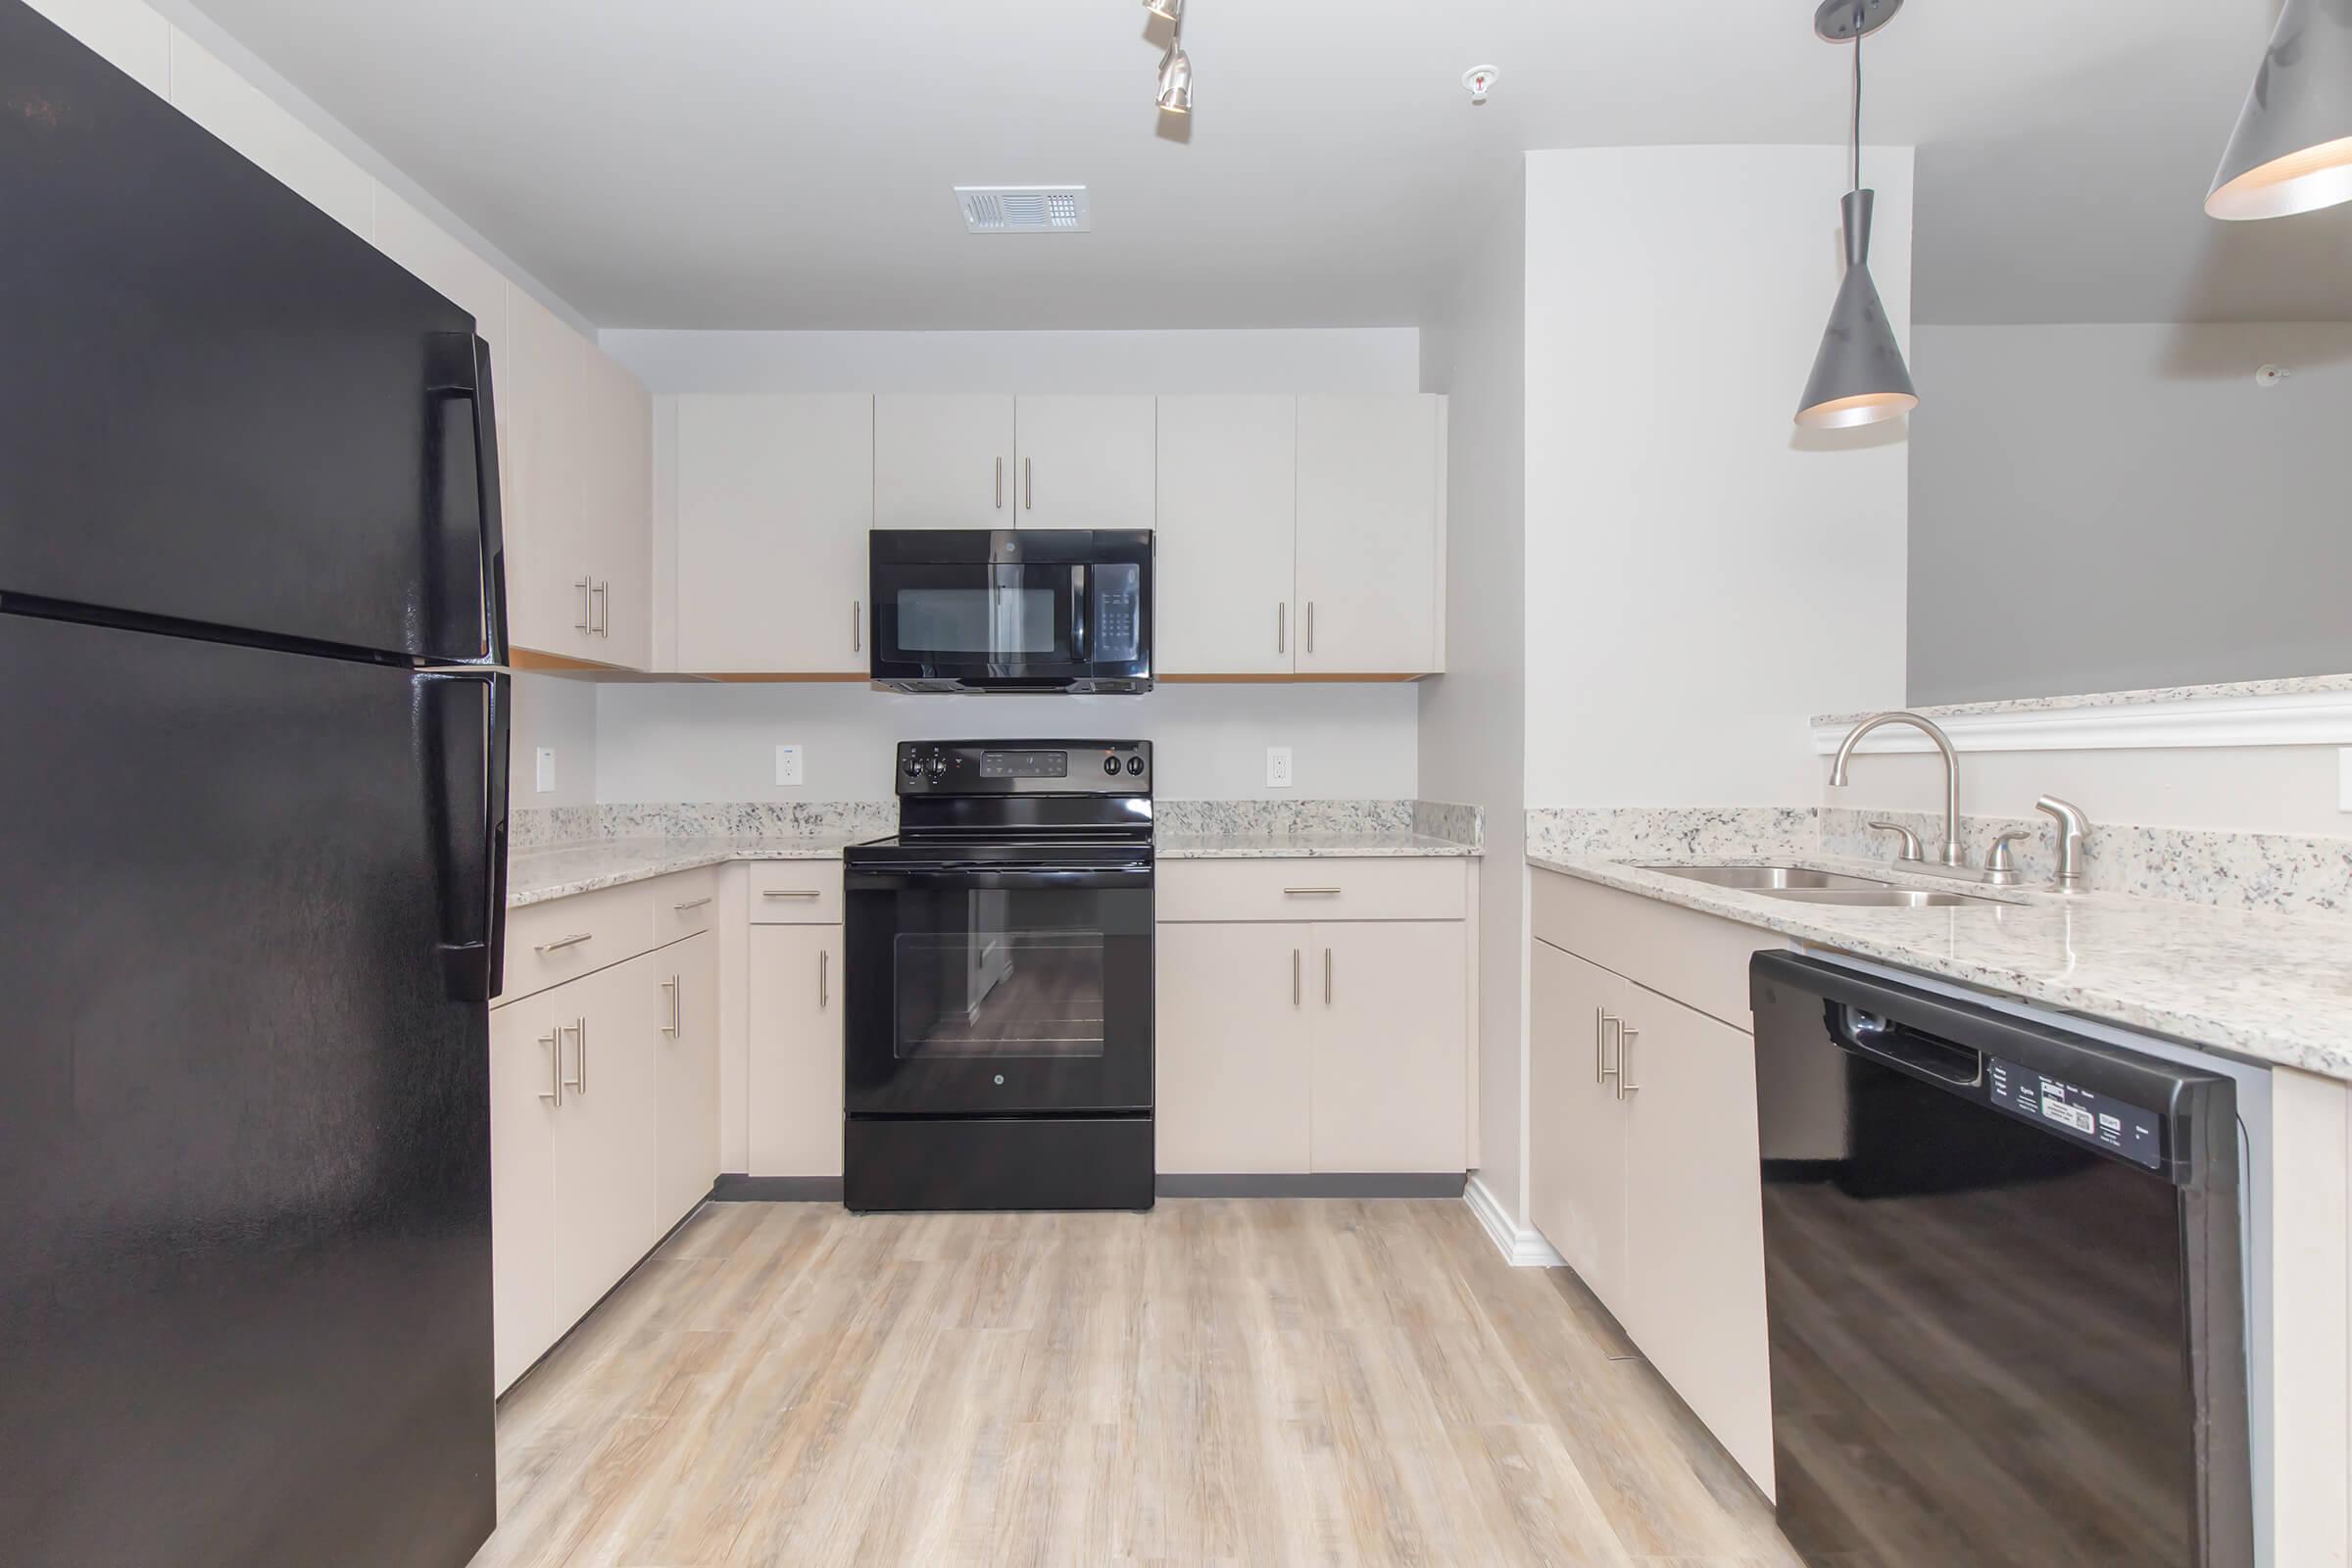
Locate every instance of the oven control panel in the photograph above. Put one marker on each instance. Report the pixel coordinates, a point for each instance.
(1024, 767)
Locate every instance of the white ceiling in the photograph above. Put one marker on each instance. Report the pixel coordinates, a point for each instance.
(788, 163)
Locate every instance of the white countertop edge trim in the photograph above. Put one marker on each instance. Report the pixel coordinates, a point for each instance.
(2276, 718)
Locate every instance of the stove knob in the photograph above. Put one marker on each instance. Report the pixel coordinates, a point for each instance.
(1135, 767)
(915, 765)
(937, 768)
(1111, 765)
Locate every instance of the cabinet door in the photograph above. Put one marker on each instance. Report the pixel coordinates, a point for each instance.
(524, 1117)
(620, 506)
(1390, 1048)
(1086, 462)
(775, 497)
(1227, 515)
(1694, 1229)
(1575, 1124)
(686, 1148)
(547, 554)
(795, 1072)
(1368, 534)
(1230, 1048)
(605, 1153)
(943, 461)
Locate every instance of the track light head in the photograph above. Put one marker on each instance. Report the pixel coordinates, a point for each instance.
(1176, 82)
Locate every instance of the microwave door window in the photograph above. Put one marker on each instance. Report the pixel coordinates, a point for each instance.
(1005, 617)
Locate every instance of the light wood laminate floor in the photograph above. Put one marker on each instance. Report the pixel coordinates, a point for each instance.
(1234, 1381)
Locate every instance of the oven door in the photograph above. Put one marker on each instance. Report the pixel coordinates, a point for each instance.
(997, 990)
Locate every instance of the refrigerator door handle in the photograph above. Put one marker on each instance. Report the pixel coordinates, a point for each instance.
(462, 366)
(471, 849)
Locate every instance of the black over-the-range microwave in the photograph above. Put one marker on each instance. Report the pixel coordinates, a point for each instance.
(1003, 609)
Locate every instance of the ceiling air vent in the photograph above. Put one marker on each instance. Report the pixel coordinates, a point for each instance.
(1024, 209)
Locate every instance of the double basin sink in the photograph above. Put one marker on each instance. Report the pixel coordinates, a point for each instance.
(1799, 885)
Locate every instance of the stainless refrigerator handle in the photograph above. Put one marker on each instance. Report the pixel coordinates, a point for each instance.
(553, 1039)
(670, 985)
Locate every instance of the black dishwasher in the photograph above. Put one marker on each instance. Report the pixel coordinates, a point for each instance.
(2002, 1275)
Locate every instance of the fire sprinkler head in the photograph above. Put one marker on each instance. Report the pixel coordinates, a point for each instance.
(1479, 79)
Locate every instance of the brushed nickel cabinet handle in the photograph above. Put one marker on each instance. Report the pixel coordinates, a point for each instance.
(587, 619)
(1282, 627)
(578, 1028)
(1311, 893)
(999, 485)
(824, 966)
(561, 943)
(1310, 625)
(1028, 486)
(1293, 977)
(670, 985)
(856, 625)
(690, 903)
(601, 593)
(1602, 1018)
(1327, 977)
(1624, 1060)
(792, 893)
(553, 1039)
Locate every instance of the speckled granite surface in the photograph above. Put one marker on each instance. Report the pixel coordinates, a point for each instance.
(1665, 833)
(541, 827)
(534, 876)
(1304, 846)
(1193, 817)
(2157, 693)
(2279, 872)
(2269, 987)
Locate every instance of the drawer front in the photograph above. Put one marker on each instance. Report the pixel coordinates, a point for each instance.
(548, 944)
(795, 892)
(1699, 959)
(1388, 889)
(684, 904)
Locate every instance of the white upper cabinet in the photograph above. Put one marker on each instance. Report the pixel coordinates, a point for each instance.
(943, 461)
(618, 483)
(1222, 598)
(235, 111)
(1370, 564)
(775, 495)
(1084, 462)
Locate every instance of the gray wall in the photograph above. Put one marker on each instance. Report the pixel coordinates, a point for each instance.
(2111, 508)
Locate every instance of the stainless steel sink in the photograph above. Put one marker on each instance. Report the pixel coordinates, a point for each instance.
(1878, 898)
(1767, 878)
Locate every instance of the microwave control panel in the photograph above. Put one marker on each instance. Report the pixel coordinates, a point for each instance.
(1119, 612)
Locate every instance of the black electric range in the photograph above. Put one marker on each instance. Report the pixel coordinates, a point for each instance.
(997, 1032)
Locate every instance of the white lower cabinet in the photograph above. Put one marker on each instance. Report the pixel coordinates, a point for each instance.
(604, 1133)
(686, 1076)
(792, 1082)
(1325, 1047)
(1642, 1158)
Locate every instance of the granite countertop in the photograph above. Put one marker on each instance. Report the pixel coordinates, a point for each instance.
(2275, 988)
(1305, 846)
(534, 876)
(560, 871)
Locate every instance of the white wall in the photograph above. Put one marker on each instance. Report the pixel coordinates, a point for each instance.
(717, 742)
(1700, 575)
(561, 714)
(1333, 360)
(1473, 718)
(2115, 507)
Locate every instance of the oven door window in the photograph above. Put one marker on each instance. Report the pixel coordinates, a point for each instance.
(984, 615)
(997, 991)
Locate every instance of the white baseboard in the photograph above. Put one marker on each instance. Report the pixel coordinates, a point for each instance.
(1521, 1246)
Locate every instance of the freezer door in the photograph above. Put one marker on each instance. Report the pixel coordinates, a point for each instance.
(222, 406)
(244, 1125)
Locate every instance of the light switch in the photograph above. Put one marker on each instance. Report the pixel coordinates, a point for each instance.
(788, 766)
(1278, 768)
(545, 772)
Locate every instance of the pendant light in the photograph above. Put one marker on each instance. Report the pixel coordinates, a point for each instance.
(1859, 377)
(2292, 151)
(1175, 67)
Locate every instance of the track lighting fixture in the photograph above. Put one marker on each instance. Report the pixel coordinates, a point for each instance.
(1175, 67)
(2292, 150)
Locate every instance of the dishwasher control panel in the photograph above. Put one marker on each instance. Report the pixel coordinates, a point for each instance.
(2099, 1120)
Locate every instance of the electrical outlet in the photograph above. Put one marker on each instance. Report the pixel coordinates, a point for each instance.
(1278, 768)
(788, 766)
(545, 772)
(2343, 779)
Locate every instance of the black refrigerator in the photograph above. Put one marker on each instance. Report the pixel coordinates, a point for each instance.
(252, 844)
